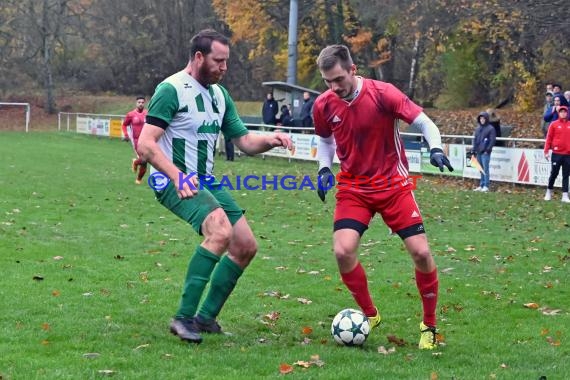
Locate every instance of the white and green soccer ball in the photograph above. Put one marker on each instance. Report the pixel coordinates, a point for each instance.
(350, 327)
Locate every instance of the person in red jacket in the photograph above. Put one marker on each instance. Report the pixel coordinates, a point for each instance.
(132, 127)
(558, 141)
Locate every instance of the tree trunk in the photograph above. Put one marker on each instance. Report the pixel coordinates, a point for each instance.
(47, 39)
(415, 57)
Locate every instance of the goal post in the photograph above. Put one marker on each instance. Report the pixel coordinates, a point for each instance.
(27, 109)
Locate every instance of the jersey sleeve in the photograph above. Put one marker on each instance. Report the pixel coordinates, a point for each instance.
(163, 105)
(232, 125)
(322, 128)
(399, 104)
(128, 120)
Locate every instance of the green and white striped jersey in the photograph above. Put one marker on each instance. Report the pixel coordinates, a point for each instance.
(195, 115)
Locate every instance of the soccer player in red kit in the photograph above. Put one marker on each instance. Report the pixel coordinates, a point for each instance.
(135, 119)
(358, 117)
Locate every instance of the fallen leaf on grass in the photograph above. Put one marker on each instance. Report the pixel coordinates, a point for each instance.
(450, 249)
(45, 326)
(433, 376)
(548, 311)
(305, 301)
(276, 294)
(91, 355)
(531, 305)
(106, 372)
(397, 341)
(552, 341)
(142, 346)
(504, 365)
(307, 330)
(273, 316)
(285, 368)
(55, 293)
(469, 248)
(315, 361)
(58, 258)
(474, 259)
(382, 350)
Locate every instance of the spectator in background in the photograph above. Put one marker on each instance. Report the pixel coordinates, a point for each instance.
(285, 119)
(230, 151)
(269, 110)
(548, 102)
(495, 121)
(551, 113)
(558, 141)
(557, 91)
(306, 111)
(549, 87)
(483, 143)
(567, 97)
(132, 127)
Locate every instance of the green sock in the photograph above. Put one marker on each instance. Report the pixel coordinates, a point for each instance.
(224, 280)
(200, 268)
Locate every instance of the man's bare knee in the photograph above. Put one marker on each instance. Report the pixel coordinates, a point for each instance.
(217, 231)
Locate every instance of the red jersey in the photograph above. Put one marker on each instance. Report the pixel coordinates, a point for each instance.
(368, 142)
(136, 120)
(558, 137)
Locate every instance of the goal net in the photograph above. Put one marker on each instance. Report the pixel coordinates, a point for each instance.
(14, 116)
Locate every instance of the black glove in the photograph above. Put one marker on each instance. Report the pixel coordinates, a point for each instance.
(438, 159)
(325, 182)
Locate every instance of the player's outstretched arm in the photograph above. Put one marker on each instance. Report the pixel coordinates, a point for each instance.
(433, 138)
(255, 144)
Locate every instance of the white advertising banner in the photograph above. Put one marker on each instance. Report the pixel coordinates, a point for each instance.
(501, 167)
(99, 127)
(531, 168)
(82, 124)
(414, 160)
(93, 126)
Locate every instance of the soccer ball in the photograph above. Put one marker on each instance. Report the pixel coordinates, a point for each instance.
(350, 327)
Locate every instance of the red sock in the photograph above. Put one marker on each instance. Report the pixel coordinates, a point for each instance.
(142, 170)
(357, 283)
(428, 285)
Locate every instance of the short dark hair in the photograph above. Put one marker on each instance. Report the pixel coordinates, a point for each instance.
(333, 55)
(202, 42)
(141, 97)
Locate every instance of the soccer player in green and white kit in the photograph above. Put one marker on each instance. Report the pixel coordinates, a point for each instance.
(185, 116)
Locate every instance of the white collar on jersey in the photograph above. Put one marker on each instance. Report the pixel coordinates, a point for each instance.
(356, 92)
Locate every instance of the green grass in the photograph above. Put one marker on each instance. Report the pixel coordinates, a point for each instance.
(123, 260)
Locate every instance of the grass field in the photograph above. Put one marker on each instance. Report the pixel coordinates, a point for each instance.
(92, 268)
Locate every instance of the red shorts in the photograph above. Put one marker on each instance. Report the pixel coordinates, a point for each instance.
(397, 207)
